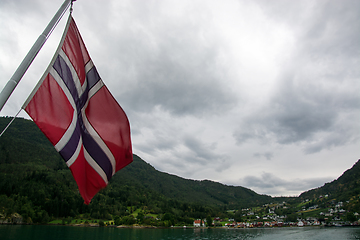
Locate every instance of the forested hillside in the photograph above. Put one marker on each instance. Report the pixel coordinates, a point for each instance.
(343, 188)
(36, 183)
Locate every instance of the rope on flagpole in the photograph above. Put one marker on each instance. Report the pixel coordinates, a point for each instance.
(10, 122)
(20, 71)
(58, 20)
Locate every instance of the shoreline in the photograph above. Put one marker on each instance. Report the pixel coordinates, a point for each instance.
(172, 227)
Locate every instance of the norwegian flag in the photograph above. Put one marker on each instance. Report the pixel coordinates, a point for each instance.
(77, 113)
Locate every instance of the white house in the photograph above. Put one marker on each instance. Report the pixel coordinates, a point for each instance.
(198, 223)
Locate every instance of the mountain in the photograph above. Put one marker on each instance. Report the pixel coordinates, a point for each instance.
(343, 188)
(186, 190)
(35, 182)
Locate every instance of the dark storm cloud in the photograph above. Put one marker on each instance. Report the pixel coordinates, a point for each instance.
(298, 113)
(179, 80)
(168, 62)
(318, 89)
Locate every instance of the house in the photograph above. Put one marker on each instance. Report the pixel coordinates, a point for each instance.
(267, 224)
(311, 219)
(16, 218)
(198, 223)
(259, 224)
(339, 204)
(3, 219)
(233, 224)
(316, 223)
(241, 225)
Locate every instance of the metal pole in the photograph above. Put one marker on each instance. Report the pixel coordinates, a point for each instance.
(20, 71)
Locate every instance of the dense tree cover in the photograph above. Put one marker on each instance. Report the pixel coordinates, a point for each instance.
(36, 183)
(343, 188)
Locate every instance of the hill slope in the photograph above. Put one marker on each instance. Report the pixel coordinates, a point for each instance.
(204, 192)
(36, 183)
(32, 174)
(343, 188)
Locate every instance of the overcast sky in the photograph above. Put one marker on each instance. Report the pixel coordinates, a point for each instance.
(260, 94)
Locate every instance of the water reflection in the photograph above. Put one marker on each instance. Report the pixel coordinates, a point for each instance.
(96, 233)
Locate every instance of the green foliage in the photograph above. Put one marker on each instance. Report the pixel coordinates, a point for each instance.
(117, 220)
(343, 188)
(351, 217)
(209, 221)
(36, 183)
(291, 218)
(101, 223)
(127, 220)
(238, 216)
(140, 217)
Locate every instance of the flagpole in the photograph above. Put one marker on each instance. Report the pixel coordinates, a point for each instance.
(20, 71)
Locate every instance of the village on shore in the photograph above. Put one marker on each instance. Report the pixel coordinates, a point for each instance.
(270, 215)
(307, 214)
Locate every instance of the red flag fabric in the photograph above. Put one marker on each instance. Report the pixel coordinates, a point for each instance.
(77, 113)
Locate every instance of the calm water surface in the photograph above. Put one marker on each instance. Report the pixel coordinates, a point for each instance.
(96, 233)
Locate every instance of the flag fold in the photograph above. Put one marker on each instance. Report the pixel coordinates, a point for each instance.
(77, 113)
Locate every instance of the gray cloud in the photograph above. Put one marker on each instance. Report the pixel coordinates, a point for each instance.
(191, 155)
(200, 150)
(268, 183)
(319, 88)
(267, 155)
(299, 113)
(218, 89)
(334, 35)
(167, 61)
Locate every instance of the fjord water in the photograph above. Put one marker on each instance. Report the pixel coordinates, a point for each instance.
(19, 232)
